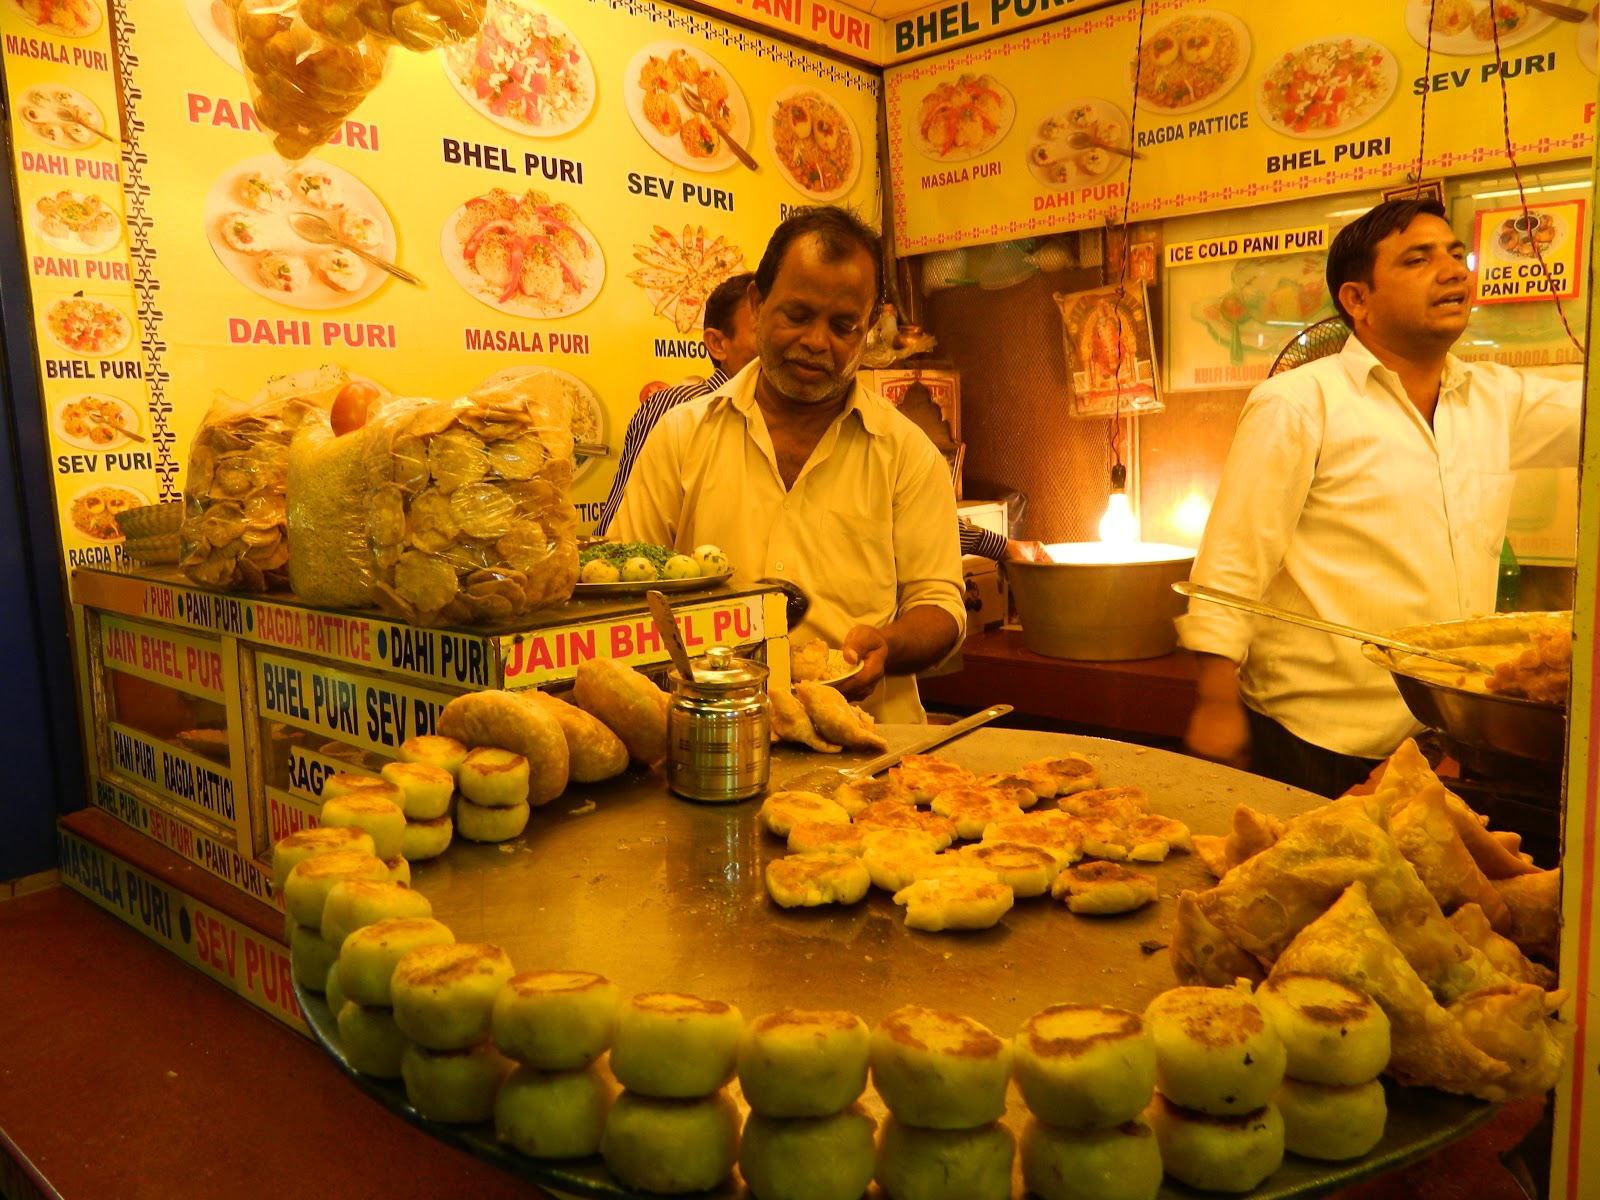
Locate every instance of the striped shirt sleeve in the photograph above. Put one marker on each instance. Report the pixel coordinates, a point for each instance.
(639, 427)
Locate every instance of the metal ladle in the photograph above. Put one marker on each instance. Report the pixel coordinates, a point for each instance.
(661, 614)
(1232, 600)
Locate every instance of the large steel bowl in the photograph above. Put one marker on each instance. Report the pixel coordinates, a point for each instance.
(1484, 720)
(1090, 607)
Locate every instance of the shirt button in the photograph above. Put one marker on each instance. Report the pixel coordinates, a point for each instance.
(777, 566)
(785, 506)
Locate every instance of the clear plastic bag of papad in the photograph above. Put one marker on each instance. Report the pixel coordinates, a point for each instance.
(469, 516)
(235, 532)
(331, 561)
(308, 64)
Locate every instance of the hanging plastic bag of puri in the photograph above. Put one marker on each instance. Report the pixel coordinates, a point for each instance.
(310, 63)
(441, 512)
(235, 527)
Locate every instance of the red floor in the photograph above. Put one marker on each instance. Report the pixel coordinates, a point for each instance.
(125, 1074)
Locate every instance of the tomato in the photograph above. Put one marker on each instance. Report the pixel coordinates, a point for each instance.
(350, 406)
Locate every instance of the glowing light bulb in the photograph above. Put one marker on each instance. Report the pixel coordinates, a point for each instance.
(1191, 516)
(1119, 526)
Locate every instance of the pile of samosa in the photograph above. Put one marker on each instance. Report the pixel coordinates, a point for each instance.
(1407, 895)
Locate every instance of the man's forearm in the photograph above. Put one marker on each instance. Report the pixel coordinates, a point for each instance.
(1218, 679)
(920, 637)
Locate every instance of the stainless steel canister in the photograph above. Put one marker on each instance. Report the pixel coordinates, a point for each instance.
(719, 729)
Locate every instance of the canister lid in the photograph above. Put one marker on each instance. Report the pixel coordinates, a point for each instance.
(719, 669)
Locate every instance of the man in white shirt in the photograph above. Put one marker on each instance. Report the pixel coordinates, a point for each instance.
(801, 473)
(1369, 488)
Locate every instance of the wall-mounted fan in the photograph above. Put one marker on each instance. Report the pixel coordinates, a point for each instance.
(1326, 337)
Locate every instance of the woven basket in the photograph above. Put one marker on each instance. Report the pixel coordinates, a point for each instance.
(151, 520)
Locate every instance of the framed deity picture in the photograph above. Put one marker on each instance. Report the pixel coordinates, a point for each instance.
(1111, 364)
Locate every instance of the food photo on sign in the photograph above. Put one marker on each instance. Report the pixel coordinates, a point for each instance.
(1111, 360)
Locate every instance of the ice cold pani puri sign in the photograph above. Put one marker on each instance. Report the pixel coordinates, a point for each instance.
(1537, 255)
(1236, 107)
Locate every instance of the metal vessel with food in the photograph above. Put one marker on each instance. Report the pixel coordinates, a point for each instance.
(1518, 708)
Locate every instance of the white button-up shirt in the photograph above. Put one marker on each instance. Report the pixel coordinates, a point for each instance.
(1339, 501)
(868, 530)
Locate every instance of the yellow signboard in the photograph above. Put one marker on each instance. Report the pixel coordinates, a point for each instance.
(1228, 247)
(1532, 255)
(192, 665)
(62, 90)
(1038, 131)
(234, 955)
(649, 219)
(551, 655)
(362, 710)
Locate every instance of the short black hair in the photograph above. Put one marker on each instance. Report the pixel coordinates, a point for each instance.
(1355, 247)
(841, 233)
(724, 301)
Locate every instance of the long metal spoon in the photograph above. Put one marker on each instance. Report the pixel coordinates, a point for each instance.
(314, 229)
(1232, 600)
(1079, 140)
(1561, 12)
(698, 106)
(824, 781)
(667, 626)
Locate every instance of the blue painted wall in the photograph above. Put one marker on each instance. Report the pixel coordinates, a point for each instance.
(40, 745)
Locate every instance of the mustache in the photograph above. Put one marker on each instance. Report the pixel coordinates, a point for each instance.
(822, 364)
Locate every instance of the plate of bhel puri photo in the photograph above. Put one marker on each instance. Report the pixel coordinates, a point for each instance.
(633, 568)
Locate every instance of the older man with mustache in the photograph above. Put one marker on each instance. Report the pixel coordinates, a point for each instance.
(801, 473)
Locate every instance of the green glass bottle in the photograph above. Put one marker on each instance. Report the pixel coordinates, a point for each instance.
(1510, 588)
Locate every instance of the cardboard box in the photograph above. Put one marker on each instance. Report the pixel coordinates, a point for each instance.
(985, 591)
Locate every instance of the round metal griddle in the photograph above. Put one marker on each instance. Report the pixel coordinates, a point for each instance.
(662, 894)
(1509, 725)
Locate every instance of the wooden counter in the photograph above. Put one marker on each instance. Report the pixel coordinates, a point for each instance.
(1149, 697)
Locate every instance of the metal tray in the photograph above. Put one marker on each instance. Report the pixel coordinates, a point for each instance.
(659, 893)
(638, 587)
(1484, 720)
